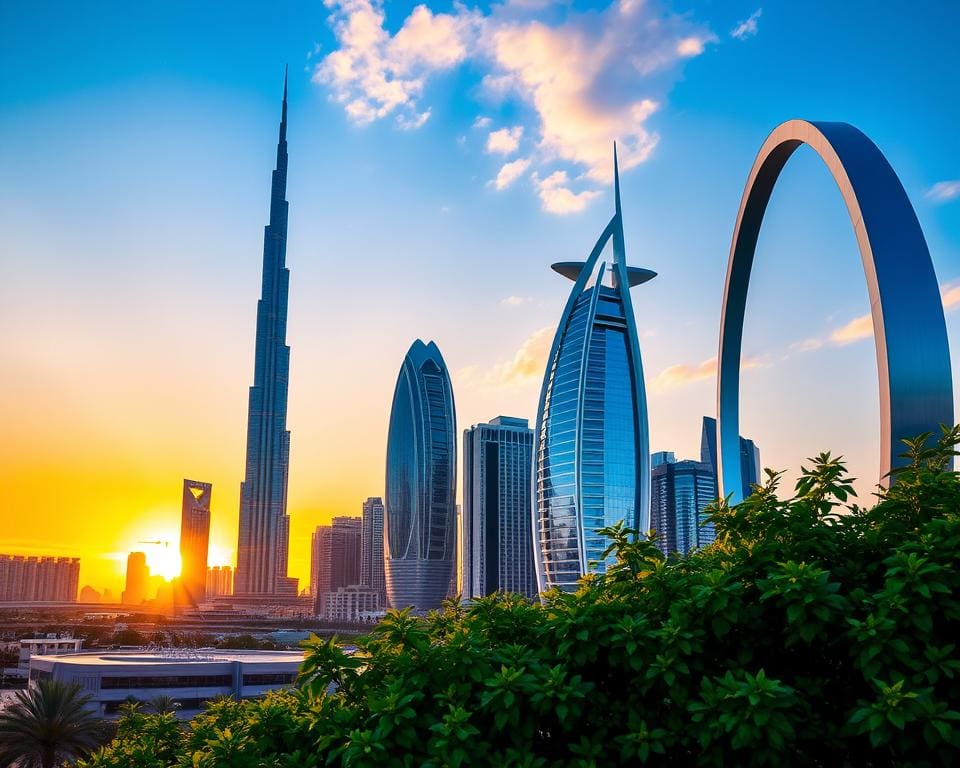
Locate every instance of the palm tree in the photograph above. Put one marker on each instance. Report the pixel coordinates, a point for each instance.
(163, 705)
(45, 725)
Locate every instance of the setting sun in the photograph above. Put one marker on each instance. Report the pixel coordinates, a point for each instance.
(163, 558)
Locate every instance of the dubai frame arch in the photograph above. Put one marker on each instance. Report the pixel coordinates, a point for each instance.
(913, 356)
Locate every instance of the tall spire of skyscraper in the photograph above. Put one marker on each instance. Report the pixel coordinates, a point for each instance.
(616, 180)
(283, 109)
(264, 532)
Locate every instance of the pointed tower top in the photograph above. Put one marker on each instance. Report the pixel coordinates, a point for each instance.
(616, 179)
(283, 112)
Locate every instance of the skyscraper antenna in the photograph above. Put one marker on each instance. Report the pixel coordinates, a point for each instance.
(283, 113)
(616, 179)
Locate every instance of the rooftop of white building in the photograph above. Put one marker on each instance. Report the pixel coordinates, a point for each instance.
(172, 656)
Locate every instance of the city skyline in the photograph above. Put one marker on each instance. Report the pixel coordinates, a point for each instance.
(100, 211)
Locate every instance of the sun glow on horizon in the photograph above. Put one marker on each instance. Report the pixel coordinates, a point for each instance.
(163, 558)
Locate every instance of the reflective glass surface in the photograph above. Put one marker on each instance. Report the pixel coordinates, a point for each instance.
(587, 445)
(557, 525)
(420, 503)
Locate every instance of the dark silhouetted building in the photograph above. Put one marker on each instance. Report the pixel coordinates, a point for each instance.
(89, 595)
(420, 518)
(371, 554)
(264, 531)
(138, 578)
(194, 540)
(496, 549)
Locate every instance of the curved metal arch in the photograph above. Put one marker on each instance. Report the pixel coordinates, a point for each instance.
(913, 355)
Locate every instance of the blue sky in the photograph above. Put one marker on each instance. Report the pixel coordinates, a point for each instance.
(138, 141)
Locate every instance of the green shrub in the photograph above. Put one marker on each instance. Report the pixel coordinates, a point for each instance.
(810, 633)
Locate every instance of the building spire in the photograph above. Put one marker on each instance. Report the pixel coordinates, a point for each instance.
(283, 112)
(616, 179)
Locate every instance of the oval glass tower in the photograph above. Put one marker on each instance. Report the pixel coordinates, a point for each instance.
(420, 516)
(591, 451)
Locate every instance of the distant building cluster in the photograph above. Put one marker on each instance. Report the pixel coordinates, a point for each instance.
(219, 581)
(39, 579)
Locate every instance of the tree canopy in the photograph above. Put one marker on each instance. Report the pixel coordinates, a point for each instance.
(812, 632)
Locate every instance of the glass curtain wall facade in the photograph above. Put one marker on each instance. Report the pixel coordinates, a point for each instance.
(371, 558)
(496, 550)
(420, 519)
(749, 456)
(681, 491)
(592, 463)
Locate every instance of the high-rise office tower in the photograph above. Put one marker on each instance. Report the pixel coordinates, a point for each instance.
(219, 581)
(264, 531)
(371, 556)
(345, 550)
(749, 456)
(681, 491)
(335, 558)
(496, 549)
(194, 540)
(420, 523)
(592, 455)
(138, 577)
(321, 553)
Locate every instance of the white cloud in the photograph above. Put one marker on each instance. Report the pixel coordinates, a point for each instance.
(807, 345)
(373, 74)
(858, 328)
(557, 197)
(950, 295)
(694, 45)
(528, 363)
(504, 141)
(515, 301)
(510, 172)
(944, 191)
(747, 27)
(679, 375)
(436, 41)
(412, 122)
(861, 327)
(583, 78)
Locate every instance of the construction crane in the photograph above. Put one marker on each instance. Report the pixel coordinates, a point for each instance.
(165, 542)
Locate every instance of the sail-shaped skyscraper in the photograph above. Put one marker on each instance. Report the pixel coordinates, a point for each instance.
(264, 533)
(420, 515)
(591, 445)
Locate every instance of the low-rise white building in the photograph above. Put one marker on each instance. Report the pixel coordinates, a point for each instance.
(188, 677)
(353, 603)
(46, 646)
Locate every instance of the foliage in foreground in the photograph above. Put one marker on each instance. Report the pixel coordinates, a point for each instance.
(808, 634)
(46, 725)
